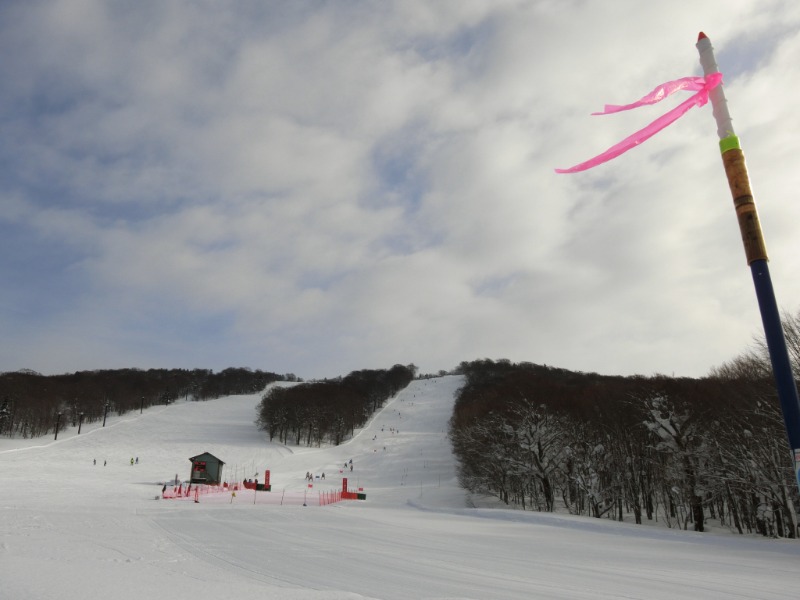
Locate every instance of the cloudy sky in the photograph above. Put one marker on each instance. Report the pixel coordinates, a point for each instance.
(318, 187)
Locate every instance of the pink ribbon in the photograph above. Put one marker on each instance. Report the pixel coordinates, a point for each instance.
(702, 85)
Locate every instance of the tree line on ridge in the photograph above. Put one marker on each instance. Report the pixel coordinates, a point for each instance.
(33, 405)
(329, 411)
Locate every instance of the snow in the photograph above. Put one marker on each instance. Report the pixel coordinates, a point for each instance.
(74, 530)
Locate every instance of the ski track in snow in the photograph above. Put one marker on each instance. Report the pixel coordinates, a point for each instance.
(75, 530)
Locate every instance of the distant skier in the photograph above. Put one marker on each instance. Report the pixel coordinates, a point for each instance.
(131, 461)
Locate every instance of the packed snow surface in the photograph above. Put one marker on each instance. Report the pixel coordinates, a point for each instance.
(75, 530)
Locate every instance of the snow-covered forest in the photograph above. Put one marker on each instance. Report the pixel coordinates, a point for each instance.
(678, 451)
(329, 411)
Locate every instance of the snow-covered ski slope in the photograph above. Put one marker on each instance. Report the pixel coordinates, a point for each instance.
(70, 529)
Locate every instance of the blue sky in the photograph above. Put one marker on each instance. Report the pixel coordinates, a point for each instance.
(319, 187)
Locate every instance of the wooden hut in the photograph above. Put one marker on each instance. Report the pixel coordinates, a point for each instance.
(206, 468)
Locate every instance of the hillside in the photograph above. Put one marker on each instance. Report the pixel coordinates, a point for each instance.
(76, 530)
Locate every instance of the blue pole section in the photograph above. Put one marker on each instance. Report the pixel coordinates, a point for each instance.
(756, 253)
(778, 353)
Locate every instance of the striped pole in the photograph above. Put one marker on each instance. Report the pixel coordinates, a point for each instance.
(756, 254)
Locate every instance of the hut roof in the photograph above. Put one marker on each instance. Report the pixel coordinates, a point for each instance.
(206, 456)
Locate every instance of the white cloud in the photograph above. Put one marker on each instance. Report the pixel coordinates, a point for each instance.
(320, 188)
